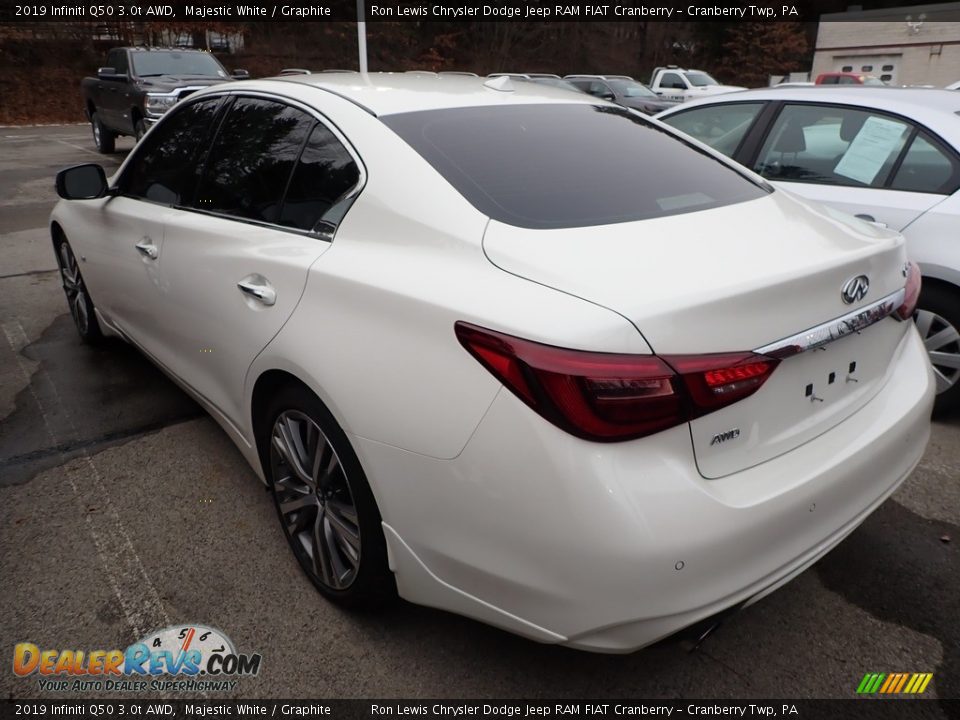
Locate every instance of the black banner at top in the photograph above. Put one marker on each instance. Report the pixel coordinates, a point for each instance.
(112, 11)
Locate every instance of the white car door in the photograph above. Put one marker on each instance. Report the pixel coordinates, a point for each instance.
(123, 253)
(844, 157)
(234, 264)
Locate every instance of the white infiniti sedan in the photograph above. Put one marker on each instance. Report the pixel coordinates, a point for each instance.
(592, 392)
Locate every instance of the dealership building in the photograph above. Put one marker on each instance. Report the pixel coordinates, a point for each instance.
(915, 45)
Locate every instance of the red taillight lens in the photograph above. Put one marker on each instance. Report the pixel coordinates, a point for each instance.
(912, 292)
(611, 397)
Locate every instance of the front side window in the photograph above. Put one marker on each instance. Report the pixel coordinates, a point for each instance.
(722, 127)
(165, 166)
(672, 81)
(319, 193)
(252, 158)
(832, 145)
(117, 59)
(518, 164)
(927, 168)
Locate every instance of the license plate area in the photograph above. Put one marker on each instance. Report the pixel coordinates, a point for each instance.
(805, 396)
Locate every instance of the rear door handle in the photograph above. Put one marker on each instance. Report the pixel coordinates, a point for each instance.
(870, 219)
(148, 249)
(261, 291)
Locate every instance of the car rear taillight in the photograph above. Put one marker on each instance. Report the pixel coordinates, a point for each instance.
(911, 294)
(610, 397)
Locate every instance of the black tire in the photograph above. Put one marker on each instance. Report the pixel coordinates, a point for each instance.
(105, 140)
(140, 129)
(370, 582)
(938, 310)
(78, 297)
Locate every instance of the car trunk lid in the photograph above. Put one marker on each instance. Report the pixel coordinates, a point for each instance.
(730, 279)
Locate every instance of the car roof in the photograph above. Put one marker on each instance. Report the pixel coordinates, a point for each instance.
(390, 93)
(937, 109)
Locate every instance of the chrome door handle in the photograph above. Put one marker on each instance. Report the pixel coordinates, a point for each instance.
(870, 219)
(262, 292)
(147, 248)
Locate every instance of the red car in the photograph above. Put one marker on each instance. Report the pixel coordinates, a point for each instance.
(844, 78)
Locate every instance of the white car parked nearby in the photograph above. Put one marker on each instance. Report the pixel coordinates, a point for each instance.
(516, 377)
(888, 155)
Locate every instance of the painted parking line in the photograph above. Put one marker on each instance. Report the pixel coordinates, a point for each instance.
(135, 592)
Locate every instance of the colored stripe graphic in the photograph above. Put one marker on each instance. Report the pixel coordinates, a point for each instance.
(894, 683)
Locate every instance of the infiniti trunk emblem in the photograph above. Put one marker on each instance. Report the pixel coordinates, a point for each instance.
(855, 289)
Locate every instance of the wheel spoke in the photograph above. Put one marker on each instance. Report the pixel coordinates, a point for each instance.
(325, 469)
(348, 538)
(297, 503)
(946, 360)
(924, 321)
(344, 510)
(943, 382)
(286, 440)
(80, 303)
(943, 338)
(322, 561)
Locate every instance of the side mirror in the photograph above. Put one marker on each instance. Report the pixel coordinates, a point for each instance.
(240, 75)
(106, 73)
(607, 96)
(82, 182)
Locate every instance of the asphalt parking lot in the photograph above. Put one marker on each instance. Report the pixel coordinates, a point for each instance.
(124, 509)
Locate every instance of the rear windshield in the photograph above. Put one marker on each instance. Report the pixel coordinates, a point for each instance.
(558, 166)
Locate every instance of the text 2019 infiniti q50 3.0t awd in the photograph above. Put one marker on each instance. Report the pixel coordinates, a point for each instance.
(510, 352)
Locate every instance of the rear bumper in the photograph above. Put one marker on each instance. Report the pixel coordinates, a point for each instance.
(612, 547)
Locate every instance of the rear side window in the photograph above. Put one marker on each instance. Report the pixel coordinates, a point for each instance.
(832, 145)
(164, 169)
(252, 159)
(722, 127)
(926, 168)
(320, 189)
(555, 166)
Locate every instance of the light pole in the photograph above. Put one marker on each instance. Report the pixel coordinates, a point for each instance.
(362, 36)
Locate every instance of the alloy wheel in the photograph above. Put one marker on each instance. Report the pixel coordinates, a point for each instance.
(315, 502)
(74, 289)
(942, 341)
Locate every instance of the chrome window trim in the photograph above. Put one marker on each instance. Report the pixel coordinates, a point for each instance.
(825, 333)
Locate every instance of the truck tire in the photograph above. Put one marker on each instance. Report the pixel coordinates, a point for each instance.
(104, 139)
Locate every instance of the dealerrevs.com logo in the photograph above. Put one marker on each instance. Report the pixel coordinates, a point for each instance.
(180, 658)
